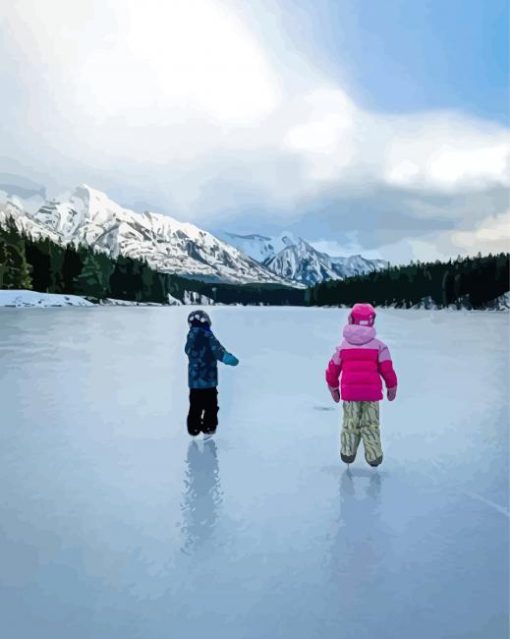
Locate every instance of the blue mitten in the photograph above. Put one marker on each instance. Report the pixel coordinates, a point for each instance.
(230, 360)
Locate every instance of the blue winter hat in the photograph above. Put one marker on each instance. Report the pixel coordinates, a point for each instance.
(199, 319)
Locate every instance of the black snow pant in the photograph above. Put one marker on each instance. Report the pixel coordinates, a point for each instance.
(203, 410)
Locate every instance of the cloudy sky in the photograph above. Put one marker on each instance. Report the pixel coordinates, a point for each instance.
(364, 126)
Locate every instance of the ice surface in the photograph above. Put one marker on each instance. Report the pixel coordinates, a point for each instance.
(114, 525)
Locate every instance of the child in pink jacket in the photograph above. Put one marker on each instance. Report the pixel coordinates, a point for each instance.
(358, 365)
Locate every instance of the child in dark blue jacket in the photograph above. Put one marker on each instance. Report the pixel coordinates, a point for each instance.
(204, 352)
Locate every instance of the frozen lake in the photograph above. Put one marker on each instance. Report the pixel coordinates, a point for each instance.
(113, 525)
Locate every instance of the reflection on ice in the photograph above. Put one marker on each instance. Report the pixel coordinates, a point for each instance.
(360, 499)
(358, 549)
(202, 494)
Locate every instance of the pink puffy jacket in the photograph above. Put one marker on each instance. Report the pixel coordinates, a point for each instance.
(359, 363)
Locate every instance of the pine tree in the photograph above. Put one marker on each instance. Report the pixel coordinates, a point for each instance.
(447, 287)
(3, 260)
(38, 256)
(71, 268)
(56, 252)
(93, 280)
(14, 267)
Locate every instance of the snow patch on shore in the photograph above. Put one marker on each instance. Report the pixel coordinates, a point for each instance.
(33, 299)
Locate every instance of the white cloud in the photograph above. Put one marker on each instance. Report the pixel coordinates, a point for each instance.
(349, 246)
(449, 155)
(30, 204)
(190, 55)
(133, 60)
(404, 251)
(399, 252)
(324, 136)
(178, 102)
(444, 153)
(492, 234)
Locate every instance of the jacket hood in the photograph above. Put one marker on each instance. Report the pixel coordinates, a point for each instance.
(358, 335)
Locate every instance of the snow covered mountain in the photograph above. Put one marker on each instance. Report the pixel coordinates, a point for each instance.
(356, 265)
(302, 263)
(89, 217)
(295, 259)
(14, 209)
(260, 247)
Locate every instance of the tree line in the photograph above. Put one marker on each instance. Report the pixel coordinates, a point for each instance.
(467, 281)
(47, 266)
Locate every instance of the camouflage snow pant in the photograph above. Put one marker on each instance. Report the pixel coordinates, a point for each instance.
(361, 422)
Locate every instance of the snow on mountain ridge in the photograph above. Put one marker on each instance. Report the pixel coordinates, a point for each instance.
(90, 217)
(357, 265)
(12, 211)
(259, 247)
(293, 258)
(90, 204)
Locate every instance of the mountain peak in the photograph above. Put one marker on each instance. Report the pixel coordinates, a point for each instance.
(294, 258)
(89, 217)
(289, 239)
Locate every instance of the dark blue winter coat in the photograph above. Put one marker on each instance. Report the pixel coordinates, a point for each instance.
(204, 352)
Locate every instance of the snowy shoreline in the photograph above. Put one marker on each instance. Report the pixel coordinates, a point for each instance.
(33, 299)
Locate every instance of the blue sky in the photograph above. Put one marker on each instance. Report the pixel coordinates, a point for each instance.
(403, 55)
(378, 127)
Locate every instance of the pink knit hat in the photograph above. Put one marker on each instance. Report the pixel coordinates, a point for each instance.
(363, 314)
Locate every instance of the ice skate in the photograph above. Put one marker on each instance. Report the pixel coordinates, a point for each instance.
(375, 462)
(347, 459)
